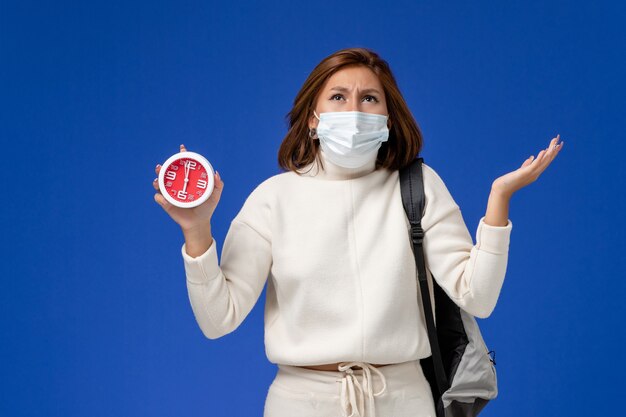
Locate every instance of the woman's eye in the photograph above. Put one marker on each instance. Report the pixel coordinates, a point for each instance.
(336, 95)
(371, 98)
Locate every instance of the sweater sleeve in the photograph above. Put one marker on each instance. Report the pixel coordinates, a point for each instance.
(223, 294)
(471, 274)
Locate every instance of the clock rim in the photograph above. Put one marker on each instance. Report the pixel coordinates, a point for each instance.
(198, 158)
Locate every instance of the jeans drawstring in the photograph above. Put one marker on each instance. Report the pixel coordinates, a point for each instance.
(351, 389)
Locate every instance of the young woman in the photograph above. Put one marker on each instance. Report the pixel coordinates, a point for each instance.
(330, 237)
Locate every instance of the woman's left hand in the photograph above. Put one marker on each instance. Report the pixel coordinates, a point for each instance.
(529, 171)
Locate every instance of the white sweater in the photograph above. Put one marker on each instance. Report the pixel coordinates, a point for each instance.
(342, 286)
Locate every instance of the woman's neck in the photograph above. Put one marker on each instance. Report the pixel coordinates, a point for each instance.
(332, 171)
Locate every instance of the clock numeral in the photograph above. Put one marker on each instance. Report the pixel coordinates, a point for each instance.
(198, 192)
(201, 184)
(174, 167)
(203, 175)
(168, 184)
(182, 195)
(170, 175)
(192, 164)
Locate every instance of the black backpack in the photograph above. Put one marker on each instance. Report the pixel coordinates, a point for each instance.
(460, 371)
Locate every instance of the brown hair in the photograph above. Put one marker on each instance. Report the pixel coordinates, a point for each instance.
(405, 137)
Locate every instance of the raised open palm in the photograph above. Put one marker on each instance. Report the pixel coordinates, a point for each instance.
(529, 171)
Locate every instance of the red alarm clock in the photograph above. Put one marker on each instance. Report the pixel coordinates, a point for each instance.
(186, 179)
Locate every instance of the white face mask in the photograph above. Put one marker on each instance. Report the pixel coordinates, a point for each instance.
(351, 139)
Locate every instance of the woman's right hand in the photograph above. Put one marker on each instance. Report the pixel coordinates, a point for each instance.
(190, 218)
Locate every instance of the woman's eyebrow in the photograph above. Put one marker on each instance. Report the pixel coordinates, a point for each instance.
(370, 90)
(364, 91)
(340, 89)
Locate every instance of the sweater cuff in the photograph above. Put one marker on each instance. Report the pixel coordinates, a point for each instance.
(203, 267)
(493, 239)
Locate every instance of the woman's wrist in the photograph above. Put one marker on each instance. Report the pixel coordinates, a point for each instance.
(198, 239)
(497, 208)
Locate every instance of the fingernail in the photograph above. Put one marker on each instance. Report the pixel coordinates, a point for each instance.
(158, 165)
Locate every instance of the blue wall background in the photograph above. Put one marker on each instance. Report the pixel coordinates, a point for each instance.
(94, 312)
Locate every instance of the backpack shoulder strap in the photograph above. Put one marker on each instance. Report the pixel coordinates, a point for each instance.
(413, 200)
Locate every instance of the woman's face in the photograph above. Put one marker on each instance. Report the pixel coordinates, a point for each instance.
(354, 88)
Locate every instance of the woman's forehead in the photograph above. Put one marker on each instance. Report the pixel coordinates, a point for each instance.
(355, 76)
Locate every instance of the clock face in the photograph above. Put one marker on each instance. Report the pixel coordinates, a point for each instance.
(186, 179)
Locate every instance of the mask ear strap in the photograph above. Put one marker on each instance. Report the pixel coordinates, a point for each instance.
(315, 114)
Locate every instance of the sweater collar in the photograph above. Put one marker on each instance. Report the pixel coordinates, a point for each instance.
(332, 171)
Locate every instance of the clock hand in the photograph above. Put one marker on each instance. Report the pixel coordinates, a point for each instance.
(187, 168)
